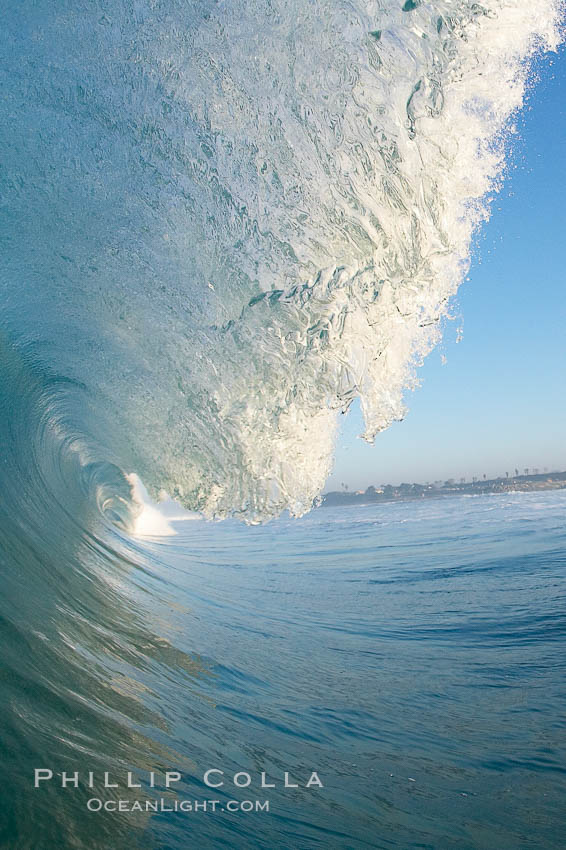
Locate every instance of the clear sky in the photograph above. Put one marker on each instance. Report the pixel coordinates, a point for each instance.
(499, 401)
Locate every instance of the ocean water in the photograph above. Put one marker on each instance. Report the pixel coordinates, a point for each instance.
(221, 223)
(412, 654)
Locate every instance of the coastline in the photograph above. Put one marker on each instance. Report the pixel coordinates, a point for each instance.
(417, 492)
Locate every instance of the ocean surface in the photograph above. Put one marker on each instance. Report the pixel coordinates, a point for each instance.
(413, 655)
(222, 222)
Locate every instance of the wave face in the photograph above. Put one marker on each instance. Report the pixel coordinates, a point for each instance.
(219, 224)
(222, 222)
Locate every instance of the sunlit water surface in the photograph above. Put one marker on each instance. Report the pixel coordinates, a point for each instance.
(412, 654)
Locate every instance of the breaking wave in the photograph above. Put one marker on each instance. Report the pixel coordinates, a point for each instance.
(222, 222)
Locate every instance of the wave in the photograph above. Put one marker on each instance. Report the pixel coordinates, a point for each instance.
(222, 223)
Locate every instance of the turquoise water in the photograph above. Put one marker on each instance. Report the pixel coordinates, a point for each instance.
(220, 224)
(411, 654)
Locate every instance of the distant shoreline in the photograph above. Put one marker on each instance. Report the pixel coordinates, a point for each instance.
(417, 492)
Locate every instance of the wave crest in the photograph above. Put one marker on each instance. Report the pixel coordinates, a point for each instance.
(248, 215)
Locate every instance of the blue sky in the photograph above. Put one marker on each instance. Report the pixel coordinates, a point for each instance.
(499, 401)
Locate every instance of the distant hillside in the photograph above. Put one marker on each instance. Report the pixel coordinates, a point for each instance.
(409, 492)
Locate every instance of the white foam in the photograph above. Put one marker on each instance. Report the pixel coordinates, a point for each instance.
(156, 519)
